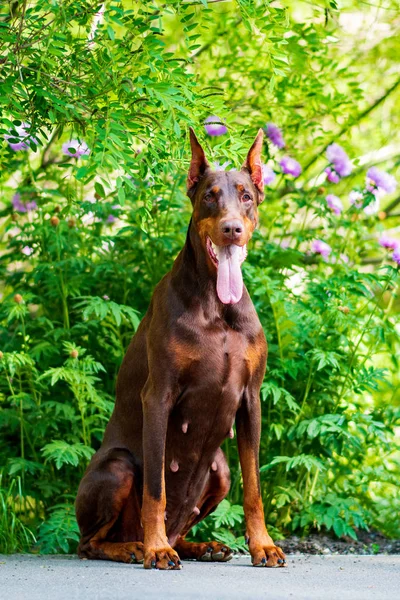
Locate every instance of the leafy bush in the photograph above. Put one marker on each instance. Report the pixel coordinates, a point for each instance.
(95, 108)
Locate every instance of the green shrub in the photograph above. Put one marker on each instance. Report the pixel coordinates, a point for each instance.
(94, 212)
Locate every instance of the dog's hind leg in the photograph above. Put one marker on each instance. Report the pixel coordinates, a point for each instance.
(108, 509)
(216, 489)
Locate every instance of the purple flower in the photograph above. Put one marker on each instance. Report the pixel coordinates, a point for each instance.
(356, 198)
(20, 206)
(110, 219)
(268, 174)
(75, 148)
(388, 242)
(27, 250)
(105, 297)
(339, 159)
(275, 135)
(334, 203)
(290, 166)
(396, 256)
(320, 247)
(377, 192)
(21, 134)
(214, 127)
(17, 204)
(380, 180)
(331, 175)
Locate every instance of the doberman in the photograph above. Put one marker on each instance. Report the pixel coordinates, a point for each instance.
(193, 368)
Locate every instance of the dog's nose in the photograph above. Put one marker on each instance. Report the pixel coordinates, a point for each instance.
(232, 228)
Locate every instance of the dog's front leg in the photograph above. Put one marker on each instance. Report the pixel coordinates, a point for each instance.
(156, 409)
(248, 426)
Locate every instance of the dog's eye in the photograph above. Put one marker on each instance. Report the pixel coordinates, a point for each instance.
(246, 197)
(209, 198)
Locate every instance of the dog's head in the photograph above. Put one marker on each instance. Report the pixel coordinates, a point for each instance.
(225, 213)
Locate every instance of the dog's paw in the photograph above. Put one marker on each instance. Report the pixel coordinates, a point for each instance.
(165, 559)
(214, 551)
(267, 556)
(135, 551)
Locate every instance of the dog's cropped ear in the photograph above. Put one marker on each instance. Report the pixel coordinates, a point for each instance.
(253, 165)
(198, 164)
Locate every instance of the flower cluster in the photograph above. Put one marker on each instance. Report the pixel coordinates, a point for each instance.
(22, 207)
(340, 163)
(380, 183)
(356, 198)
(388, 242)
(20, 140)
(334, 203)
(290, 166)
(391, 244)
(275, 135)
(268, 174)
(322, 248)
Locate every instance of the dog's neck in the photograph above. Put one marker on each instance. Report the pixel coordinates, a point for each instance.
(194, 279)
(191, 269)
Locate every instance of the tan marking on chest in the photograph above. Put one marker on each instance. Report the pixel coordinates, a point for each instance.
(183, 354)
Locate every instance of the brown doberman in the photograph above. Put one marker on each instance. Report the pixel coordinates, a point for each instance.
(192, 370)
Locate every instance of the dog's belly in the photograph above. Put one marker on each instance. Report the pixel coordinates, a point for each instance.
(201, 421)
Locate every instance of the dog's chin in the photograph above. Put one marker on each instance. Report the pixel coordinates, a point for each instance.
(227, 261)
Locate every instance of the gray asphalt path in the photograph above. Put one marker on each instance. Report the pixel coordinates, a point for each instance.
(306, 577)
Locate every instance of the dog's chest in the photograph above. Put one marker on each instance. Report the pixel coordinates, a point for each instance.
(213, 374)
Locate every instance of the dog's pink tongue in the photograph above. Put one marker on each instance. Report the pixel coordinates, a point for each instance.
(229, 275)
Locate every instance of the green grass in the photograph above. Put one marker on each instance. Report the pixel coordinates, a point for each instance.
(14, 535)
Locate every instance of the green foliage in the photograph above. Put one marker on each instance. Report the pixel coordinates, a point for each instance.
(59, 533)
(86, 237)
(14, 535)
(218, 526)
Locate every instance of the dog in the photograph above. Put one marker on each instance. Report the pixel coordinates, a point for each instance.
(192, 370)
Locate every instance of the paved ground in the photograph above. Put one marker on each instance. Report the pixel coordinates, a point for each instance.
(306, 577)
